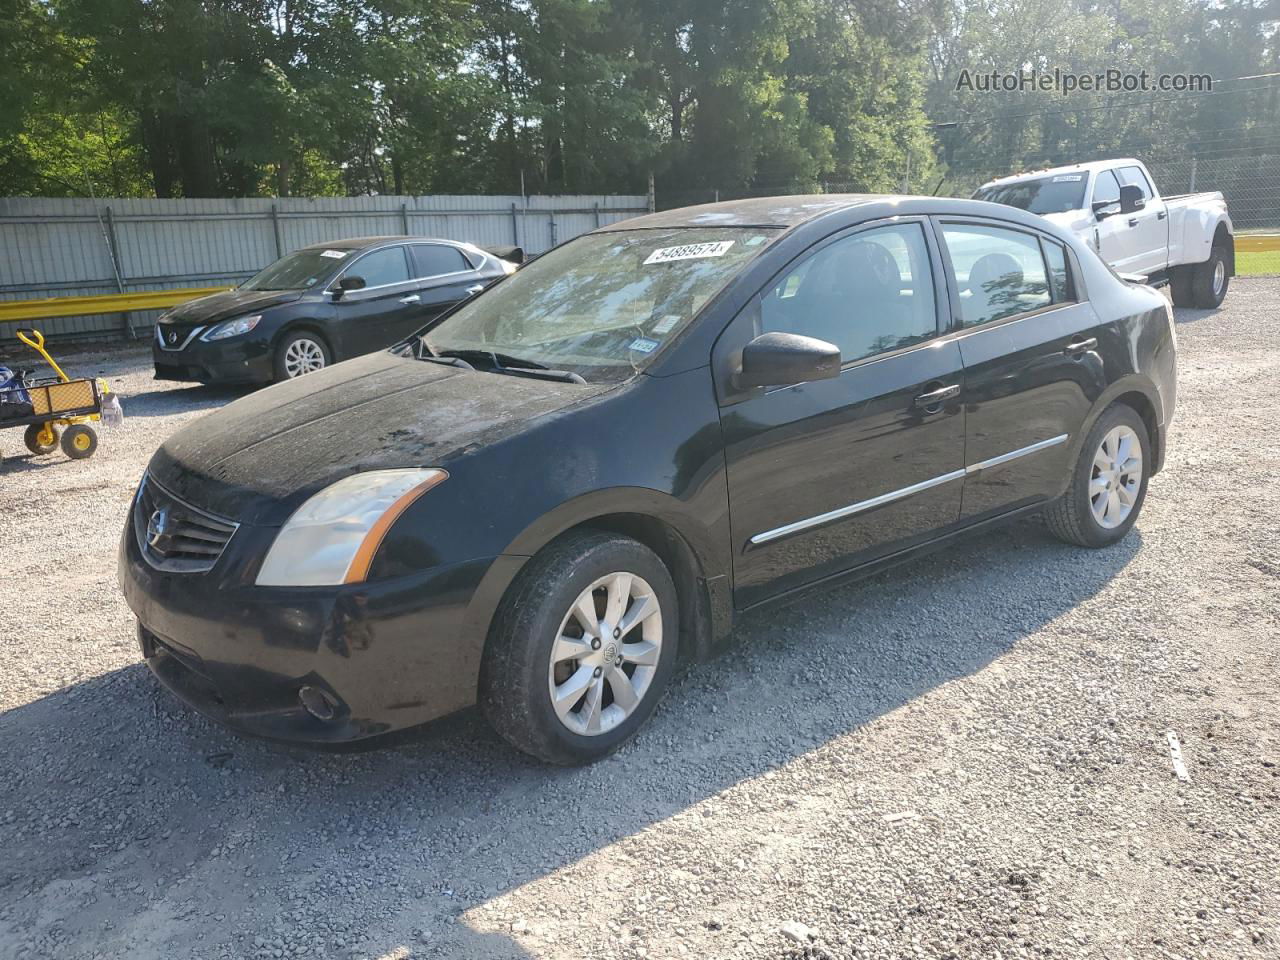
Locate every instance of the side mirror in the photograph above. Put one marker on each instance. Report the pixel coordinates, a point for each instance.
(349, 283)
(1106, 208)
(1131, 198)
(781, 359)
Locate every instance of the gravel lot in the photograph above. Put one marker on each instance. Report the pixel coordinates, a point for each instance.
(965, 757)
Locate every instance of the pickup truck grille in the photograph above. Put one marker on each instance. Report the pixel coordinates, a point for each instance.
(175, 536)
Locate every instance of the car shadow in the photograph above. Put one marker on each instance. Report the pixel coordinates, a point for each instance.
(135, 827)
(167, 402)
(1183, 315)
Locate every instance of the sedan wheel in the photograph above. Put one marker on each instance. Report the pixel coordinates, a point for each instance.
(1108, 481)
(303, 355)
(606, 654)
(581, 648)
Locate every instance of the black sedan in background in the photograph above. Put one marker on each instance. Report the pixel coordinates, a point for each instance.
(587, 471)
(318, 305)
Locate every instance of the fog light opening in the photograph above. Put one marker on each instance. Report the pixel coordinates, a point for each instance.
(318, 703)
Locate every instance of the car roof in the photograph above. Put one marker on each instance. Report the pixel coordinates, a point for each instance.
(791, 212)
(363, 243)
(1093, 166)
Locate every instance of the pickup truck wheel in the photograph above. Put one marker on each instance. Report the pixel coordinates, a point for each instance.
(1209, 280)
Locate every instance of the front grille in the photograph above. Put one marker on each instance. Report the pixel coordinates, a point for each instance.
(175, 536)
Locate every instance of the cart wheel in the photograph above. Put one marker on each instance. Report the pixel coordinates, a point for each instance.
(41, 438)
(79, 441)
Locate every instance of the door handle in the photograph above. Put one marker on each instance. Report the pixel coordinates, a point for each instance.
(475, 288)
(1162, 214)
(934, 398)
(1076, 348)
(411, 298)
(1133, 221)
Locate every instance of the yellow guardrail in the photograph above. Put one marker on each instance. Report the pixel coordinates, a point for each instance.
(1257, 242)
(19, 310)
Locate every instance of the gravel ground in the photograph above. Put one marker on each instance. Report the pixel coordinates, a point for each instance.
(965, 757)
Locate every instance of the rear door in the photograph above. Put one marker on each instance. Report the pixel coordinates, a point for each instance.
(826, 475)
(1029, 344)
(445, 275)
(373, 316)
(1147, 228)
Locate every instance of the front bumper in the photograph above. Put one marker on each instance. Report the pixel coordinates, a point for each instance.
(388, 655)
(236, 360)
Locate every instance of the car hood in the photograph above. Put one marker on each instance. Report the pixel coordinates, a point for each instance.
(225, 305)
(257, 459)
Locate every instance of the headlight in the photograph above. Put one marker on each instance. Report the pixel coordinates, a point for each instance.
(331, 539)
(231, 328)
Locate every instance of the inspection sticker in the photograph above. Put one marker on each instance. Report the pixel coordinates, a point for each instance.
(643, 345)
(333, 254)
(690, 251)
(1069, 178)
(666, 323)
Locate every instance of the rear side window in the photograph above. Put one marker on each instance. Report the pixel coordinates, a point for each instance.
(381, 267)
(868, 293)
(1106, 189)
(1059, 275)
(1000, 272)
(434, 260)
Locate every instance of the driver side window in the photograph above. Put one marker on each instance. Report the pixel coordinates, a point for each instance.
(1106, 189)
(868, 293)
(382, 267)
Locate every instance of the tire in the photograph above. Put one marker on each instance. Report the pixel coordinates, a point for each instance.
(79, 442)
(518, 677)
(1180, 286)
(32, 439)
(1209, 280)
(1073, 517)
(298, 353)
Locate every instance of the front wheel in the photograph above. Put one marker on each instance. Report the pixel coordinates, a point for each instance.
(41, 438)
(581, 649)
(1108, 482)
(299, 354)
(1209, 280)
(79, 442)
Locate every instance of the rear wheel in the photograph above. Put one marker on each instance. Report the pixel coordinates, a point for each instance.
(79, 442)
(1180, 286)
(1209, 280)
(41, 438)
(582, 648)
(1108, 482)
(301, 353)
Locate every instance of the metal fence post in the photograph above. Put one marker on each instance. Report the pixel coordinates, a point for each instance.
(552, 217)
(1191, 188)
(404, 217)
(653, 200)
(275, 229)
(597, 209)
(113, 247)
(515, 226)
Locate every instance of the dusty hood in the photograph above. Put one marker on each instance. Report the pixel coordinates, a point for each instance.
(258, 458)
(224, 306)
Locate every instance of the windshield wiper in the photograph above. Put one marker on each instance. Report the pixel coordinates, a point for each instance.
(504, 363)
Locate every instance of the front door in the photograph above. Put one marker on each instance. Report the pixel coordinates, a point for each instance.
(1147, 228)
(1031, 362)
(373, 316)
(824, 476)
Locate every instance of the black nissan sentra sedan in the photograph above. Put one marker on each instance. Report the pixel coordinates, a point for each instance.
(320, 304)
(544, 499)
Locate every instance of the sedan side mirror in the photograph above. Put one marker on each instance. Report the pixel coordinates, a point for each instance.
(1131, 198)
(1106, 208)
(781, 359)
(349, 283)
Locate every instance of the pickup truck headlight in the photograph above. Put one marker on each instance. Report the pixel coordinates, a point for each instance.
(331, 539)
(231, 328)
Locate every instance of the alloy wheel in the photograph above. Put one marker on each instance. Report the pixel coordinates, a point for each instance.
(1116, 477)
(1219, 277)
(303, 356)
(605, 654)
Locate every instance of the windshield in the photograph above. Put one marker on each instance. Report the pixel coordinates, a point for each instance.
(603, 305)
(298, 271)
(1056, 194)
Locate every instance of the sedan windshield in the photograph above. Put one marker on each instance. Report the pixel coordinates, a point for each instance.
(603, 305)
(298, 271)
(1056, 194)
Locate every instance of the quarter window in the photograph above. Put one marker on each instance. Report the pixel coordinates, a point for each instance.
(382, 267)
(867, 294)
(1000, 272)
(434, 260)
(1059, 276)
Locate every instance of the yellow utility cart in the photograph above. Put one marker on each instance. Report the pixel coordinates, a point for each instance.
(56, 409)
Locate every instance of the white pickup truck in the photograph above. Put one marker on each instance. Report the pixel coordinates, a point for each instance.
(1113, 206)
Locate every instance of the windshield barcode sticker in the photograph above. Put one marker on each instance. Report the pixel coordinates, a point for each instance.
(690, 251)
(1069, 178)
(333, 254)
